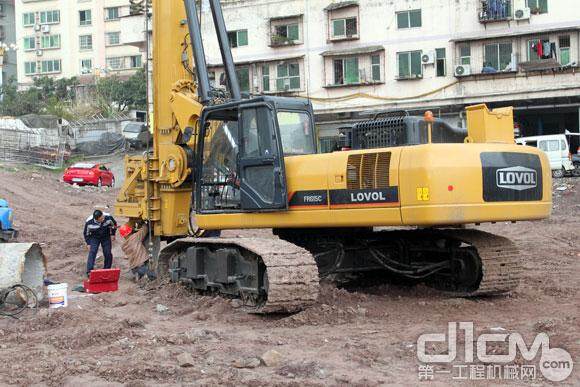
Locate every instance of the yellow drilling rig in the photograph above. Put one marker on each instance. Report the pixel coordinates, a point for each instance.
(225, 161)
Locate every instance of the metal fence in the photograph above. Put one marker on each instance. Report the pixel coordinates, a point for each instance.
(44, 148)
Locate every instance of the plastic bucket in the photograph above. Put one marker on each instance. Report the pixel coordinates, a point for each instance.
(57, 296)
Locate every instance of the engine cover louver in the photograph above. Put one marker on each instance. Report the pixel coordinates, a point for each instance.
(368, 170)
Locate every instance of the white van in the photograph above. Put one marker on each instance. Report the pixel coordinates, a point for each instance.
(556, 147)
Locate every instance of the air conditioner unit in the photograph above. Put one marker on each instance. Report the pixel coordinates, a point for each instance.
(428, 58)
(462, 70)
(38, 52)
(37, 27)
(46, 29)
(522, 14)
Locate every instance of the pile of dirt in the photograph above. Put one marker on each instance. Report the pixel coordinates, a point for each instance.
(155, 333)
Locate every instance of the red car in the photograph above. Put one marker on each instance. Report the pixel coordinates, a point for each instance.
(89, 174)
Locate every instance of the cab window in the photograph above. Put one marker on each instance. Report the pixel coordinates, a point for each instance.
(256, 143)
(297, 133)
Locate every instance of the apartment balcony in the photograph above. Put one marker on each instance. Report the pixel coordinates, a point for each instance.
(280, 41)
(133, 31)
(491, 11)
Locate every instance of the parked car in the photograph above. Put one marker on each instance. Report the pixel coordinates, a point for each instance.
(557, 149)
(137, 134)
(89, 174)
(7, 231)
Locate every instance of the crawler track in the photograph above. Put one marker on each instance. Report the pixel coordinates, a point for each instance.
(460, 262)
(290, 280)
(500, 262)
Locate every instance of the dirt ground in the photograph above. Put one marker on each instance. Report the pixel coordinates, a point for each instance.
(366, 337)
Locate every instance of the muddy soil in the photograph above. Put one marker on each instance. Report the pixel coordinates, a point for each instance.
(146, 334)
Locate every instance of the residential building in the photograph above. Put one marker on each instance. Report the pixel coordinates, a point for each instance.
(356, 58)
(64, 38)
(7, 41)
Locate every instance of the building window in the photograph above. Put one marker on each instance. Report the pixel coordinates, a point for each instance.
(115, 63)
(409, 19)
(441, 62)
(30, 68)
(29, 43)
(135, 61)
(564, 46)
(86, 66)
(113, 38)
(112, 13)
(86, 42)
(376, 68)
(286, 33)
(85, 17)
(409, 64)
(346, 71)
(28, 19)
(344, 28)
(288, 77)
(465, 54)
(498, 56)
(238, 38)
(538, 6)
(266, 77)
(243, 74)
(50, 41)
(50, 66)
(50, 17)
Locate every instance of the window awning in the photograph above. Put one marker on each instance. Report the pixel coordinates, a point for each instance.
(276, 18)
(259, 60)
(354, 51)
(340, 5)
(532, 30)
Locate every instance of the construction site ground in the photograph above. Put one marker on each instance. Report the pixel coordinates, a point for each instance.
(155, 334)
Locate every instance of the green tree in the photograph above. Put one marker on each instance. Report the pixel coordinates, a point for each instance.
(45, 96)
(117, 95)
(58, 96)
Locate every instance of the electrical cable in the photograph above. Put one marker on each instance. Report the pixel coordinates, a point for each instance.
(185, 58)
(19, 292)
(376, 97)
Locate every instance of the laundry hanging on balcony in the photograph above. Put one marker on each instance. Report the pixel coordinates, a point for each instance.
(544, 49)
(495, 9)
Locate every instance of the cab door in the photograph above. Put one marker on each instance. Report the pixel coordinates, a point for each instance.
(260, 160)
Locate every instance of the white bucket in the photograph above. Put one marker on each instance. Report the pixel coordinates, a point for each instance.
(57, 296)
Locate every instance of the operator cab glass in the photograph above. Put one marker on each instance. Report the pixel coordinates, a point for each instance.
(296, 132)
(241, 159)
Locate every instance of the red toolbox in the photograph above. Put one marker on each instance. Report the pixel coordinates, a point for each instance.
(102, 281)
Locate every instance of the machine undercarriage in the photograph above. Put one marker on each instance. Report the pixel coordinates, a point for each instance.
(282, 275)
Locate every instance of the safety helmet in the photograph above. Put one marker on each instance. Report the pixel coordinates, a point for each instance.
(125, 230)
